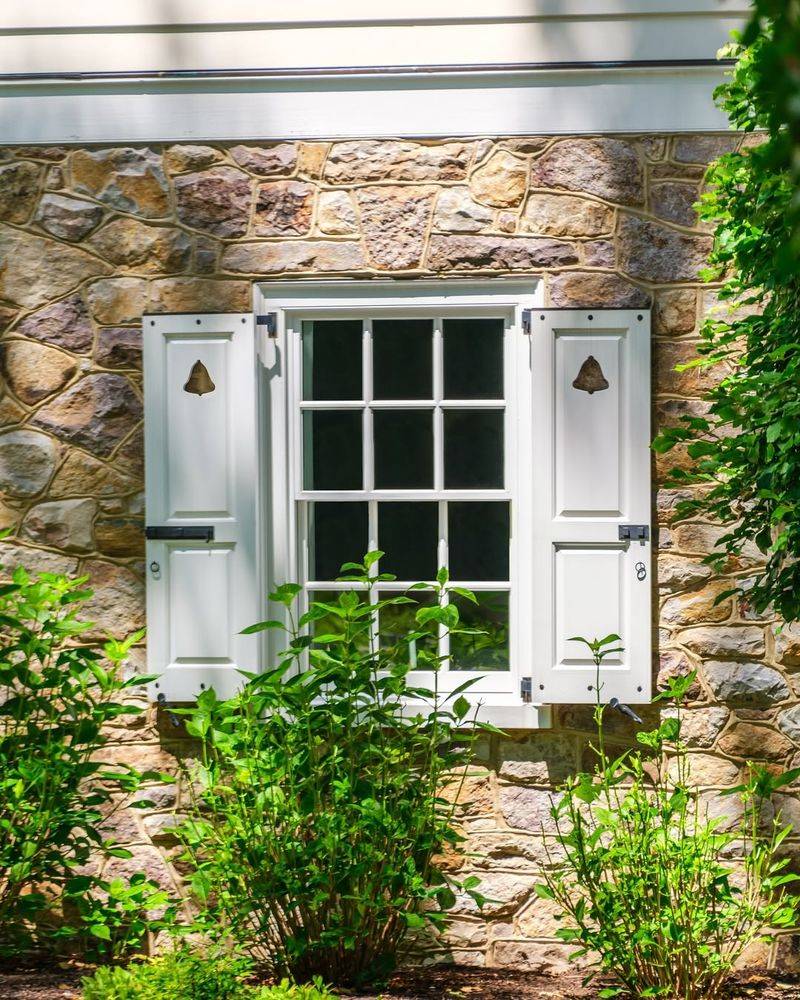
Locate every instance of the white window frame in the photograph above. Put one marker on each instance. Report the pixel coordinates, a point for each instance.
(279, 354)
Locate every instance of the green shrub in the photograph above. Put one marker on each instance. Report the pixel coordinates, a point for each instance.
(645, 883)
(319, 812)
(56, 695)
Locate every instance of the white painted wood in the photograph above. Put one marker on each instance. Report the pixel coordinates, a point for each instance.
(426, 105)
(591, 461)
(201, 469)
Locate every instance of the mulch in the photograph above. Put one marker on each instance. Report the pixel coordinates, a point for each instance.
(437, 983)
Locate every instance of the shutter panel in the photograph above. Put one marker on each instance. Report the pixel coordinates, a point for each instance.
(591, 472)
(200, 466)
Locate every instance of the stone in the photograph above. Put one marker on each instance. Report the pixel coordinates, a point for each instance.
(311, 158)
(592, 289)
(81, 474)
(199, 295)
(35, 270)
(54, 178)
(34, 560)
(738, 641)
(133, 245)
(19, 189)
(117, 300)
(697, 381)
(68, 218)
(27, 461)
(540, 918)
(129, 460)
(678, 572)
(292, 256)
(700, 727)
(527, 808)
(117, 605)
(284, 208)
(217, 201)
(457, 212)
(119, 347)
(49, 154)
(7, 317)
(379, 160)
(64, 324)
(697, 606)
(500, 181)
(675, 311)
(745, 685)
(537, 956)
(565, 215)
(128, 179)
(674, 201)
(395, 223)
(34, 371)
(749, 742)
(146, 860)
(122, 537)
(787, 644)
(527, 144)
(732, 309)
(608, 168)
(182, 158)
(505, 893)
(656, 253)
(789, 723)
(11, 412)
(497, 253)
(62, 524)
(546, 759)
(599, 253)
(703, 148)
(266, 161)
(336, 214)
(206, 255)
(673, 664)
(96, 413)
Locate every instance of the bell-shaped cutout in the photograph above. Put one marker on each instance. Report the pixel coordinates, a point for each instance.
(199, 381)
(590, 378)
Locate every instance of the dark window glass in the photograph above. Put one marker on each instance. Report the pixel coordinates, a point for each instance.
(402, 352)
(332, 359)
(403, 449)
(488, 651)
(398, 621)
(339, 533)
(473, 449)
(408, 533)
(332, 450)
(473, 358)
(478, 540)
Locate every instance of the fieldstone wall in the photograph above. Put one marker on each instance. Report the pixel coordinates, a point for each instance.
(92, 238)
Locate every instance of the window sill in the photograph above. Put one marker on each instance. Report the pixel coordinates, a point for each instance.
(511, 715)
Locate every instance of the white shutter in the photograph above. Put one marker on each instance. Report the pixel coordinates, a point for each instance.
(591, 475)
(200, 466)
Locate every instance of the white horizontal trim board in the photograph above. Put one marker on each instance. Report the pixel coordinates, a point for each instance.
(425, 105)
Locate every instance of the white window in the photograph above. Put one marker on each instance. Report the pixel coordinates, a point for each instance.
(436, 422)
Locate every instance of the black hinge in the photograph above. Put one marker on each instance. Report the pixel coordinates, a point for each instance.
(634, 533)
(183, 532)
(270, 321)
(526, 689)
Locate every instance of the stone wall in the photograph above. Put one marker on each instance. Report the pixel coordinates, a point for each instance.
(92, 238)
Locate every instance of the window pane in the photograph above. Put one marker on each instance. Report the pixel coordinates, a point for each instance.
(408, 533)
(473, 358)
(488, 651)
(398, 620)
(478, 540)
(332, 450)
(473, 449)
(403, 449)
(338, 533)
(402, 351)
(332, 359)
(332, 623)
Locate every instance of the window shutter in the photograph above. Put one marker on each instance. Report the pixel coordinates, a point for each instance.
(591, 474)
(200, 465)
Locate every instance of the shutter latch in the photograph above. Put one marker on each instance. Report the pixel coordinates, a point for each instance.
(634, 533)
(180, 532)
(526, 689)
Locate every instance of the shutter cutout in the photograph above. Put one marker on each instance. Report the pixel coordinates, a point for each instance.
(201, 464)
(591, 474)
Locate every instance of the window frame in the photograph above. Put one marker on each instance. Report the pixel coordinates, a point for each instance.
(280, 389)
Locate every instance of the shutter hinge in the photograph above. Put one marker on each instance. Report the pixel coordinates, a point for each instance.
(526, 689)
(270, 321)
(527, 315)
(634, 533)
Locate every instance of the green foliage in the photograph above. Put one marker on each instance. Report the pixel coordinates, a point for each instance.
(745, 465)
(644, 879)
(58, 693)
(322, 800)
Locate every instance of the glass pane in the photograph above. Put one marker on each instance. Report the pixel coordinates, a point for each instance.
(478, 540)
(473, 358)
(408, 533)
(332, 359)
(332, 624)
(402, 352)
(398, 620)
(403, 449)
(489, 650)
(473, 449)
(332, 450)
(338, 533)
